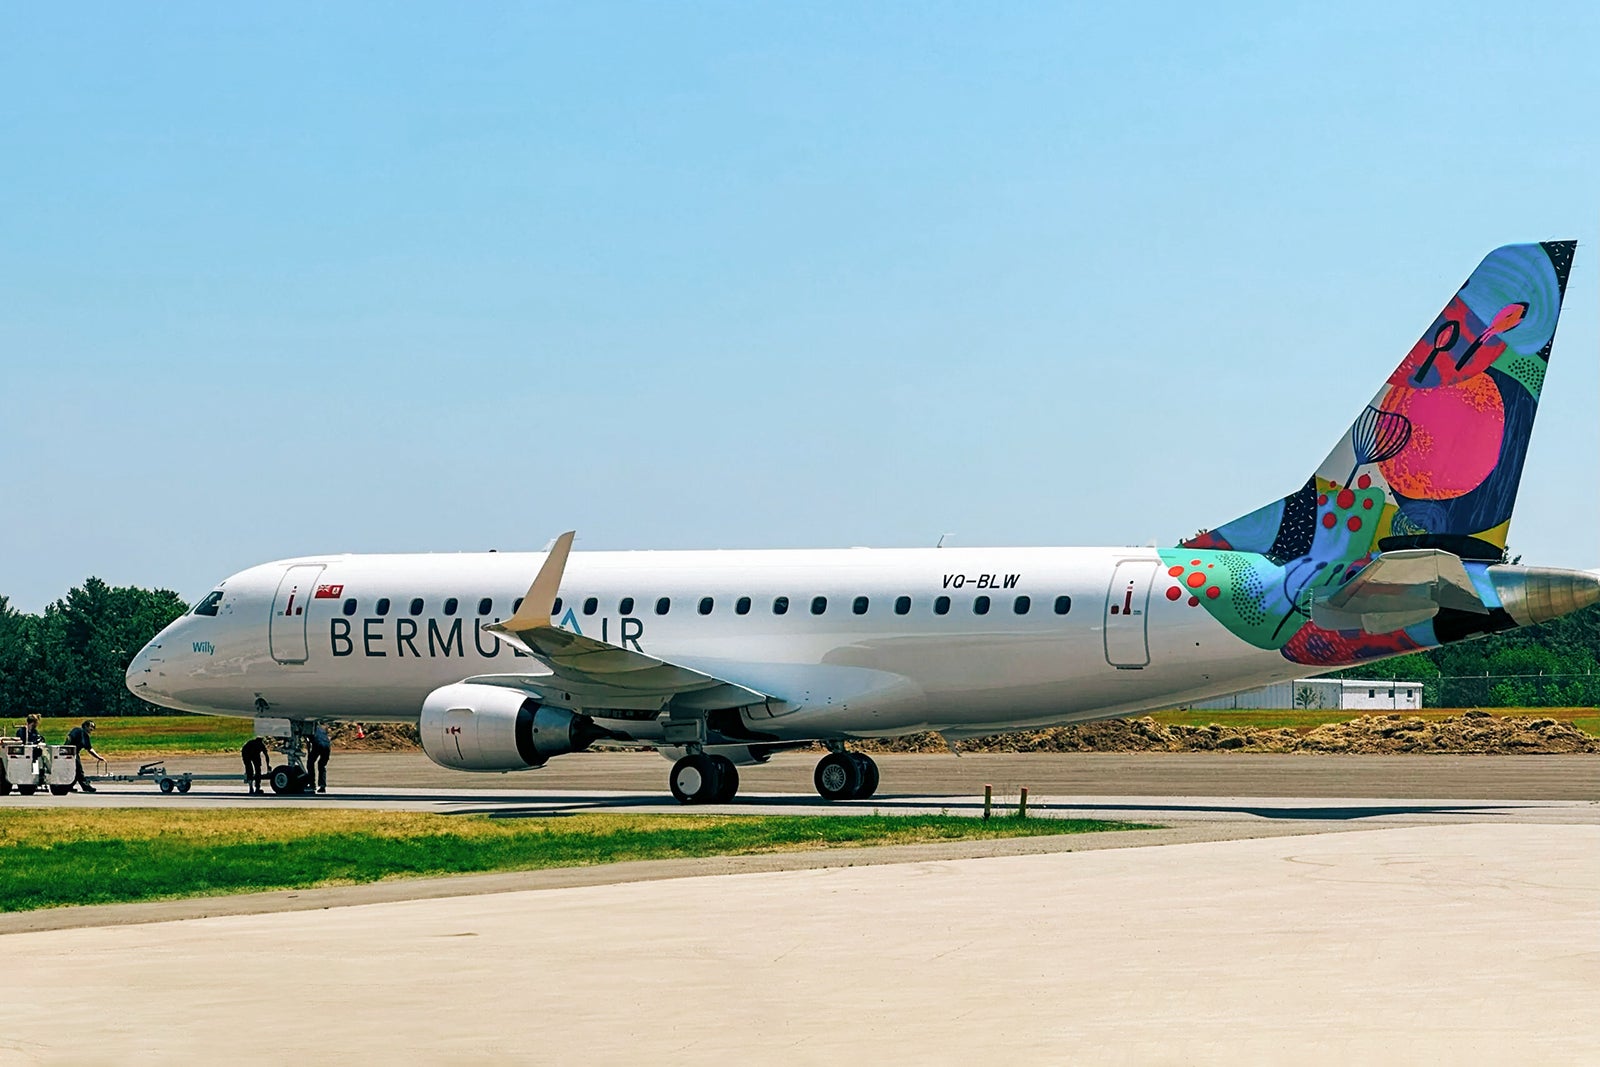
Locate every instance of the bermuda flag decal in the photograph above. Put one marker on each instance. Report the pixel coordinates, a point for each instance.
(329, 592)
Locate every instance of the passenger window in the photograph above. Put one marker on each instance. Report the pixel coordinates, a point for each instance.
(208, 606)
(902, 605)
(780, 605)
(382, 606)
(1063, 605)
(625, 606)
(663, 605)
(705, 605)
(416, 606)
(591, 605)
(859, 606)
(555, 609)
(450, 606)
(941, 605)
(486, 605)
(819, 604)
(980, 605)
(350, 606)
(1021, 605)
(742, 606)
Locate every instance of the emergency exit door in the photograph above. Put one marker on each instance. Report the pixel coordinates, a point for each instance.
(287, 631)
(1127, 608)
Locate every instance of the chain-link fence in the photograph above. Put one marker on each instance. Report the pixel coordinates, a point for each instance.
(1511, 691)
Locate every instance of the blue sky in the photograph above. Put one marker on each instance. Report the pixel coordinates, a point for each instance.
(312, 278)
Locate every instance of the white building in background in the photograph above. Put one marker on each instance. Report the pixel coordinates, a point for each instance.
(1332, 694)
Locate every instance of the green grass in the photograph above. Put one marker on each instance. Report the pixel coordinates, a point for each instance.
(163, 735)
(100, 856)
(1584, 718)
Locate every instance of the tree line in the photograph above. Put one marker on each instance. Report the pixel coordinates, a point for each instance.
(1551, 665)
(71, 659)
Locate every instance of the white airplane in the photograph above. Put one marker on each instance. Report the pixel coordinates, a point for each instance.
(505, 660)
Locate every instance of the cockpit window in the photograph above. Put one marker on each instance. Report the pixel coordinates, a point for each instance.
(208, 606)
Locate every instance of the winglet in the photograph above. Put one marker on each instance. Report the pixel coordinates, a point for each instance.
(539, 605)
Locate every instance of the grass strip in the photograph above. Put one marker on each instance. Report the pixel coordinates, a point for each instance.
(140, 735)
(56, 858)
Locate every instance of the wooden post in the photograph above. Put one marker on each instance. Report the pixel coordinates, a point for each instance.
(988, 801)
(1022, 804)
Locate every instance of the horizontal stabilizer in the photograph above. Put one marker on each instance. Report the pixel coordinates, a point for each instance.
(1399, 589)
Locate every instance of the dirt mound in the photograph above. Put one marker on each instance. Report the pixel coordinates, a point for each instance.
(1475, 732)
(374, 737)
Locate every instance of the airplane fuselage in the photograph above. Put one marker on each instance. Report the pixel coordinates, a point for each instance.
(855, 642)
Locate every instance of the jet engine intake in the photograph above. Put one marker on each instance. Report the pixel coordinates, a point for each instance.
(469, 726)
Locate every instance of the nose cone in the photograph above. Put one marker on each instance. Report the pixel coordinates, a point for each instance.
(140, 677)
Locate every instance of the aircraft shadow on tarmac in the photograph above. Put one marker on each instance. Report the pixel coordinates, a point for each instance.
(530, 808)
(526, 806)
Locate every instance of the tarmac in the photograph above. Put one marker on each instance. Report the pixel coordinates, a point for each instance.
(1253, 927)
(1185, 774)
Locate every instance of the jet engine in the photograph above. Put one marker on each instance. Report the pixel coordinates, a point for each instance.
(473, 727)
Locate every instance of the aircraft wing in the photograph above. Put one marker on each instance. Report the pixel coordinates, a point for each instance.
(587, 674)
(1399, 589)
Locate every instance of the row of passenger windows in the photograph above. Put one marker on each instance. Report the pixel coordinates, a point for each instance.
(981, 605)
(451, 606)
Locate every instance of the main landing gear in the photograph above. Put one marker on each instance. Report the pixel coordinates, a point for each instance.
(846, 776)
(703, 778)
(699, 778)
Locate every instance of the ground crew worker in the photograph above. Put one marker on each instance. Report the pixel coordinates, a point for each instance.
(80, 738)
(257, 763)
(31, 736)
(317, 765)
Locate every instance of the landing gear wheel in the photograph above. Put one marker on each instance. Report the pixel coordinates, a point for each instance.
(183, 785)
(695, 779)
(869, 775)
(838, 776)
(5, 787)
(27, 790)
(166, 785)
(727, 779)
(60, 790)
(286, 780)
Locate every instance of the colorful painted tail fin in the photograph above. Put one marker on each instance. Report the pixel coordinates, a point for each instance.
(1435, 459)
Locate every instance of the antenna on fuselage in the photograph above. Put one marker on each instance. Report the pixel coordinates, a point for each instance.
(940, 543)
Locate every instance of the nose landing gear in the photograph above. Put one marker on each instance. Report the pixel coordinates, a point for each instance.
(293, 777)
(289, 780)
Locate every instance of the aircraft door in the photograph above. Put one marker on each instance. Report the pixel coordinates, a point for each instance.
(1127, 606)
(287, 631)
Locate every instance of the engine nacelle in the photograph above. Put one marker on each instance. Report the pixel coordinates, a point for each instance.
(472, 727)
